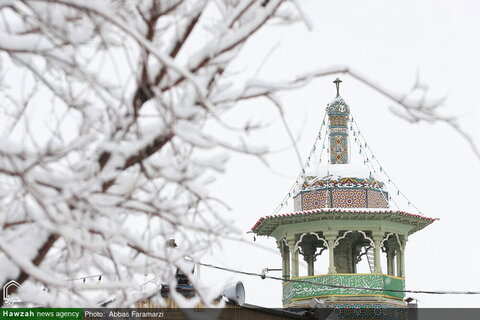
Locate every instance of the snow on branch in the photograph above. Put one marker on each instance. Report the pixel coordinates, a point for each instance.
(105, 153)
(407, 106)
(106, 158)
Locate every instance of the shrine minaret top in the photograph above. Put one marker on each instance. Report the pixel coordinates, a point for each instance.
(343, 209)
(338, 112)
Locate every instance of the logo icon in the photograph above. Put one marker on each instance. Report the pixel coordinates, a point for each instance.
(8, 300)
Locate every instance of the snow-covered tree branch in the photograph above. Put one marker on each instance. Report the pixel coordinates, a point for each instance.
(104, 155)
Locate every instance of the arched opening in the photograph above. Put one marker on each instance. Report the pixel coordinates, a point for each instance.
(351, 248)
(311, 246)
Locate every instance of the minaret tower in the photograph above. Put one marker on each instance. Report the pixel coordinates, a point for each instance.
(338, 113)
(342, 214)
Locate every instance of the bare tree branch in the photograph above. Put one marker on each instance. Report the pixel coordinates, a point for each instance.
(106, 135)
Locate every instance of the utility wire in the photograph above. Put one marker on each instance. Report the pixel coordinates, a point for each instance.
(301, 176)
(87, 277)
(263, 276)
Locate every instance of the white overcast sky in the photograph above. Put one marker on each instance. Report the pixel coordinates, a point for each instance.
(387, 41)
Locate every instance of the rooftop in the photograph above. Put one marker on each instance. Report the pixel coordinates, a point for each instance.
(268, 224)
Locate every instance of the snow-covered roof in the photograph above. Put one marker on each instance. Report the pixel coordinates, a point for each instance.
(267, 224)
(335, 172)
(349, 170)
(338, 106)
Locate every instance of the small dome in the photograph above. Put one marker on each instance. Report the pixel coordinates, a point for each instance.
(338, 106)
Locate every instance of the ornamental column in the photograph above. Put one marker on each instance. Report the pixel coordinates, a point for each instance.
(310, 261)
(390, 261)
(400, 251)
(286, 272)
(402, 259)
(377, 240)
(294, 258)
(285, 253)
(399, 261)
(331, 237)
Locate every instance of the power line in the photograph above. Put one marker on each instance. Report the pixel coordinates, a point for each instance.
(264, 276)
(331, 285)
(301, 176)
(99, 276)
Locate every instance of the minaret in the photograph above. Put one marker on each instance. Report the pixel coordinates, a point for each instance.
(338, 113)
(345, 215)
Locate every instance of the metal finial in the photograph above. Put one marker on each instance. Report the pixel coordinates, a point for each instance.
(337, 83)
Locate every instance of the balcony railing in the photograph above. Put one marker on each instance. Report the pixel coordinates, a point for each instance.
(330, 285)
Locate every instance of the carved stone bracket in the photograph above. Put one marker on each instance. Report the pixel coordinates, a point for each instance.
(372, 244)
(388, 237)
(318, 253)
(299, 248)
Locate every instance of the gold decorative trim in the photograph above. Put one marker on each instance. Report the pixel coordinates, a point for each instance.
(348, 274)
(348, 295)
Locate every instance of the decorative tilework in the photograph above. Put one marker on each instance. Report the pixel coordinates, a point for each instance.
(314, 182)
(349, 198)
(340, 130)
(370, 311)
(377, 200)
(338, 112)
(350, 290)
(342, 198)
(315, 199)
(338, 120)
(338, 106)
(338, 149)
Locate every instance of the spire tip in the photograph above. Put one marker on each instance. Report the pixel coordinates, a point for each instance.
(337, 83)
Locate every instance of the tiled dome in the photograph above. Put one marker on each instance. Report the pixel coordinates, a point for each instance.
(338, 106)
